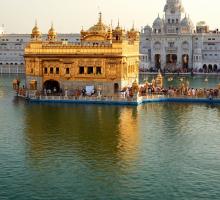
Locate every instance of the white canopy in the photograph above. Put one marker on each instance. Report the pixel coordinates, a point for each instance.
(89, 90)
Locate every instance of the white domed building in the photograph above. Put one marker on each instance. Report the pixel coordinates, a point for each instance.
(173, 42)
(158, 25)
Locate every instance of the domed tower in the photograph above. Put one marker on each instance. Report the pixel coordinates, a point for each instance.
(119, 33)
(97, 33)
(133, 35)
(109, 36)
(36, 34)
(158, 25)
(52, 35)
(147, 30)
(173, 14)
(186, 25)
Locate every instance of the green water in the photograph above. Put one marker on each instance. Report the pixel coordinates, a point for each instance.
(62, 152)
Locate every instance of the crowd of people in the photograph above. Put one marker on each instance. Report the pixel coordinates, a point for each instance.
(180, 70)
(180, 92)
(145, 90)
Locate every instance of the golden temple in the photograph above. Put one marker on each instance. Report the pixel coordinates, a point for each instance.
(106, 58)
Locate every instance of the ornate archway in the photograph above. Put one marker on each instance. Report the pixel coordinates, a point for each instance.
(171, 58)
(116, 87)
(205, 67)
(157, 59)
(185, 60)
(210, 68)
(52, 86)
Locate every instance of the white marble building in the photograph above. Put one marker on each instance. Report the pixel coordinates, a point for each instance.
(12, 50)
(174, 43)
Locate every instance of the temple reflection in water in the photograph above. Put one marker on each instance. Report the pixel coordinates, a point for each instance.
(52, 130)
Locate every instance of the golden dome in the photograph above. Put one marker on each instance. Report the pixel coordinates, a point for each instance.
(52, 33)
(135, 84)
(36, 31)
(100, 26)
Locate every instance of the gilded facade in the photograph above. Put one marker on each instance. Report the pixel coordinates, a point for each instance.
(106, 58)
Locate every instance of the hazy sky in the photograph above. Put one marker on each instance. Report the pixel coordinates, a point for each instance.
(69, 16)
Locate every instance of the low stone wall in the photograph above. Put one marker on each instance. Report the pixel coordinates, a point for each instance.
(120, 101)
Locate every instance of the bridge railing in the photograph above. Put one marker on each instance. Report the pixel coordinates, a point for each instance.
(81, 98)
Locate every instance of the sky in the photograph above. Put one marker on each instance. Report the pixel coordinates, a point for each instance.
(68, 16)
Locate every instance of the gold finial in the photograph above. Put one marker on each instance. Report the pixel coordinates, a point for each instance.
(100, 17)
(35, 22)
(110, 28)
(118, 23)
(133, 26)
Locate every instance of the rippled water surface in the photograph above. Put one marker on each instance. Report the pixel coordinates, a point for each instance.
(155, 151)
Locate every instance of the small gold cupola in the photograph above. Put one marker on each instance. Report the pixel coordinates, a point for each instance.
(119, 34)
(133, 34)
(36, 34)
(52, 35)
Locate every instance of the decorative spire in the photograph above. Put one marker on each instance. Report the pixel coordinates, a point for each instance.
(35, 22)
(110, 28)
(118, 26)
(132, 29)
(52, 25)
(100, 17)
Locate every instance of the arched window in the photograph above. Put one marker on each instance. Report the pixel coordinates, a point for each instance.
(210, 68)
(67, 70)
(45, 70)
(51, 70)
(57, 70)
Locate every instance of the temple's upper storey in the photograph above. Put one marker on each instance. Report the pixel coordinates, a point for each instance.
(173, 6)
(174, 22)
(103, 34)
